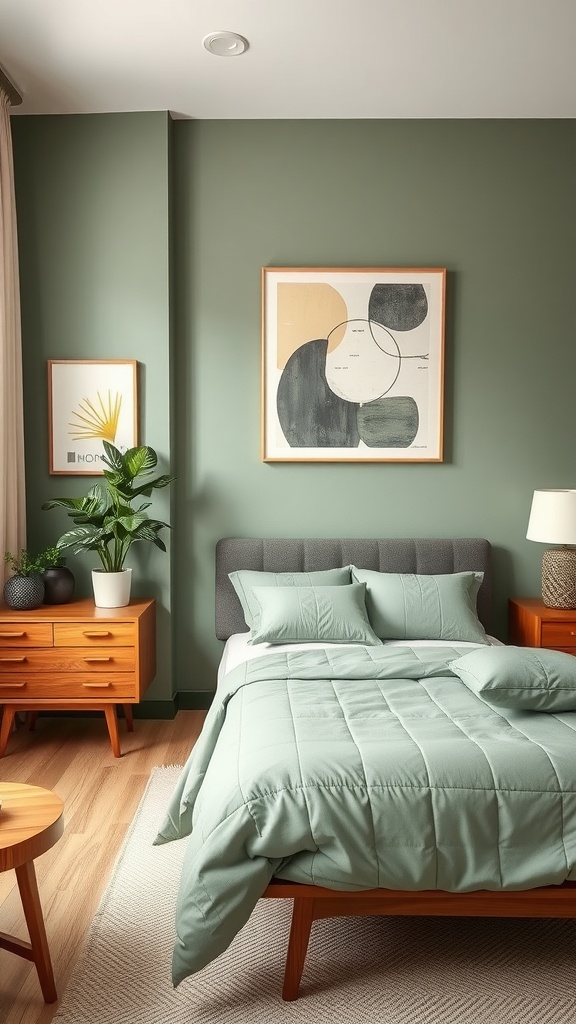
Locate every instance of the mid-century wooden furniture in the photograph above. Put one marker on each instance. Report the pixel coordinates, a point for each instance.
(532, 624)
(313, 902)
(76, 657)
(31, 822)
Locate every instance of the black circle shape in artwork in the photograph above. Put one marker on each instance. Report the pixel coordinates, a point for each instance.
(400, 307)
(310, 414)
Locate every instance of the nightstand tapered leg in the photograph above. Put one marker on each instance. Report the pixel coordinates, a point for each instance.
(6, 727)
(112, 723)
(129, 717)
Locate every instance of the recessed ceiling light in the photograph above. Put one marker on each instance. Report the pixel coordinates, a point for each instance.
(225, 44)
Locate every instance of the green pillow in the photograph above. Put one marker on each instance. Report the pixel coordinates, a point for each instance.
(520, 677)
(290, 615)
(404, 606)
(244, 580)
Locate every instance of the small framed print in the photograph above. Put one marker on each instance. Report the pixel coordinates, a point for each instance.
(353, 364)
(90, 401)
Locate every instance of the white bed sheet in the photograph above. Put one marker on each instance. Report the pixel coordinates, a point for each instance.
(237, 650)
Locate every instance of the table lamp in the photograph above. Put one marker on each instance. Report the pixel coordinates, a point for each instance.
(553, 521)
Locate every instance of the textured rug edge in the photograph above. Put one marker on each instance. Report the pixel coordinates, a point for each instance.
(168, 773)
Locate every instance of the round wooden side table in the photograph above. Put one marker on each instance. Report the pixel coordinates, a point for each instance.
(31, 821)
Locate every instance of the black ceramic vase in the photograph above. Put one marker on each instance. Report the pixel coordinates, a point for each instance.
(24, 593)
(58, 584)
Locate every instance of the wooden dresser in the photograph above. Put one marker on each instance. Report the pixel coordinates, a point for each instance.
(76, 656)
(532, 624)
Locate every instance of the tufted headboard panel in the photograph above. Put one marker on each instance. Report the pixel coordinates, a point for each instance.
(421, 555)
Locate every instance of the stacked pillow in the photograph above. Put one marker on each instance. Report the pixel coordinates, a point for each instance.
(352, 605)
(406, 606)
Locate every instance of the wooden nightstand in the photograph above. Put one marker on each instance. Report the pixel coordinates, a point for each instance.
(76, 656)
(532, 624)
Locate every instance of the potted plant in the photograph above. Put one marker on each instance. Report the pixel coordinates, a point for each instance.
(58, 579)
(108, 522)
(24, 590)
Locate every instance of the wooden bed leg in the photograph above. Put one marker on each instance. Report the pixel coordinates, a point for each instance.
(302, 917)
(129, 717)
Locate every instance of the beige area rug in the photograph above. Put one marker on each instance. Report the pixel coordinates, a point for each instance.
(358, 970)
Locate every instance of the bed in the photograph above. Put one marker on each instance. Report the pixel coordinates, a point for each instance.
(354, 767)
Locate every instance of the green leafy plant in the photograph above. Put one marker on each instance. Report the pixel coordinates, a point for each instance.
(52, 557)
(23, 563)
(106, 520)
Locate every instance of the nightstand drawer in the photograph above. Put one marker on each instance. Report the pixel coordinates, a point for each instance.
(559, 634)
(69, 659)
(26, 634)
(73, 686)
(91, 634)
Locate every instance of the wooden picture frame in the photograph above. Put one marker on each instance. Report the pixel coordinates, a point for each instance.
(352, 364)
(90, 401)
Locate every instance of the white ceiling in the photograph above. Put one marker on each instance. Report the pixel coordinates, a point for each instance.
(307, 58)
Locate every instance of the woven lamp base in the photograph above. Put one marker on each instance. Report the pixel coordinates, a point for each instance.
(559, 578)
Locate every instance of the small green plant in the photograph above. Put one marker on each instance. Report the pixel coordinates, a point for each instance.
(52, 557)
(23, 563)
(106, 521)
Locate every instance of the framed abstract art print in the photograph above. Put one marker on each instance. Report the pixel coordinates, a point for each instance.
(90, 401)
(353, 364)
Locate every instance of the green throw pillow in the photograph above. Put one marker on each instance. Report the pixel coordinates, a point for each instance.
(520, 677)
(244, 581)
(290, 615)
(405, 606)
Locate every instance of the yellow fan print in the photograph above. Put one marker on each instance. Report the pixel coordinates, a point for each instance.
(96, 419)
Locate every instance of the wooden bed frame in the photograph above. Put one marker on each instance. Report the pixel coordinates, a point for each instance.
(311, 902)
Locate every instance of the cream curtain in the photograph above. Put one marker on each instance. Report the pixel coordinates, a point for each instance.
(12, 483)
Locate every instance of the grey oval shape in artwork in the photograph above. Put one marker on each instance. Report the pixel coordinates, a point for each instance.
(389, 422)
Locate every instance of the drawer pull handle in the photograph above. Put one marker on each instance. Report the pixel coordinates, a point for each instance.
(11, 660)
(97, 659)
(12, 686)
(97, 686)
(12, 636)
(96, 632)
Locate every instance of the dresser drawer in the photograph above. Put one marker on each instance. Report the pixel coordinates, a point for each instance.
(25, 634)
(75, 686)
(93, 634)
(66, 659)
(559, 634)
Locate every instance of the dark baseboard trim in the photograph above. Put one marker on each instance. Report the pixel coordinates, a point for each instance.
(184, 700)
(194, 700)
(155, 709)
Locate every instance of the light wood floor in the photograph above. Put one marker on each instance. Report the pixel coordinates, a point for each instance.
(72, 756)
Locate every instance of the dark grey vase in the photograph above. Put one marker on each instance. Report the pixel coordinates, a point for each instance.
(59, 584)
(24, 593)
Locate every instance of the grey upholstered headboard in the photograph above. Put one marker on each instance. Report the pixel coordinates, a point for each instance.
(423, 556)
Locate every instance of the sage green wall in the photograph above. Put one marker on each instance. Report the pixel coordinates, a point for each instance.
(93, 225)
(493, 201)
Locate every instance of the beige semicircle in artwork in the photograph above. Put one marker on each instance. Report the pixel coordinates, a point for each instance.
(307, 312)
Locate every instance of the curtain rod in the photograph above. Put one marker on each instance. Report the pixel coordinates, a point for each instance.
(9, 88)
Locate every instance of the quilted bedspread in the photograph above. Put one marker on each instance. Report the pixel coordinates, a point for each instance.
(363, 768)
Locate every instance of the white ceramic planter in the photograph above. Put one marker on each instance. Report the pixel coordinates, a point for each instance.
(111, 589)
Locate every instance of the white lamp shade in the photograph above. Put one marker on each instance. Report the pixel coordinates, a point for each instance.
(553, 517)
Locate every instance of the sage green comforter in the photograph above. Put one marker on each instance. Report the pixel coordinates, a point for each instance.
(358, 768)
